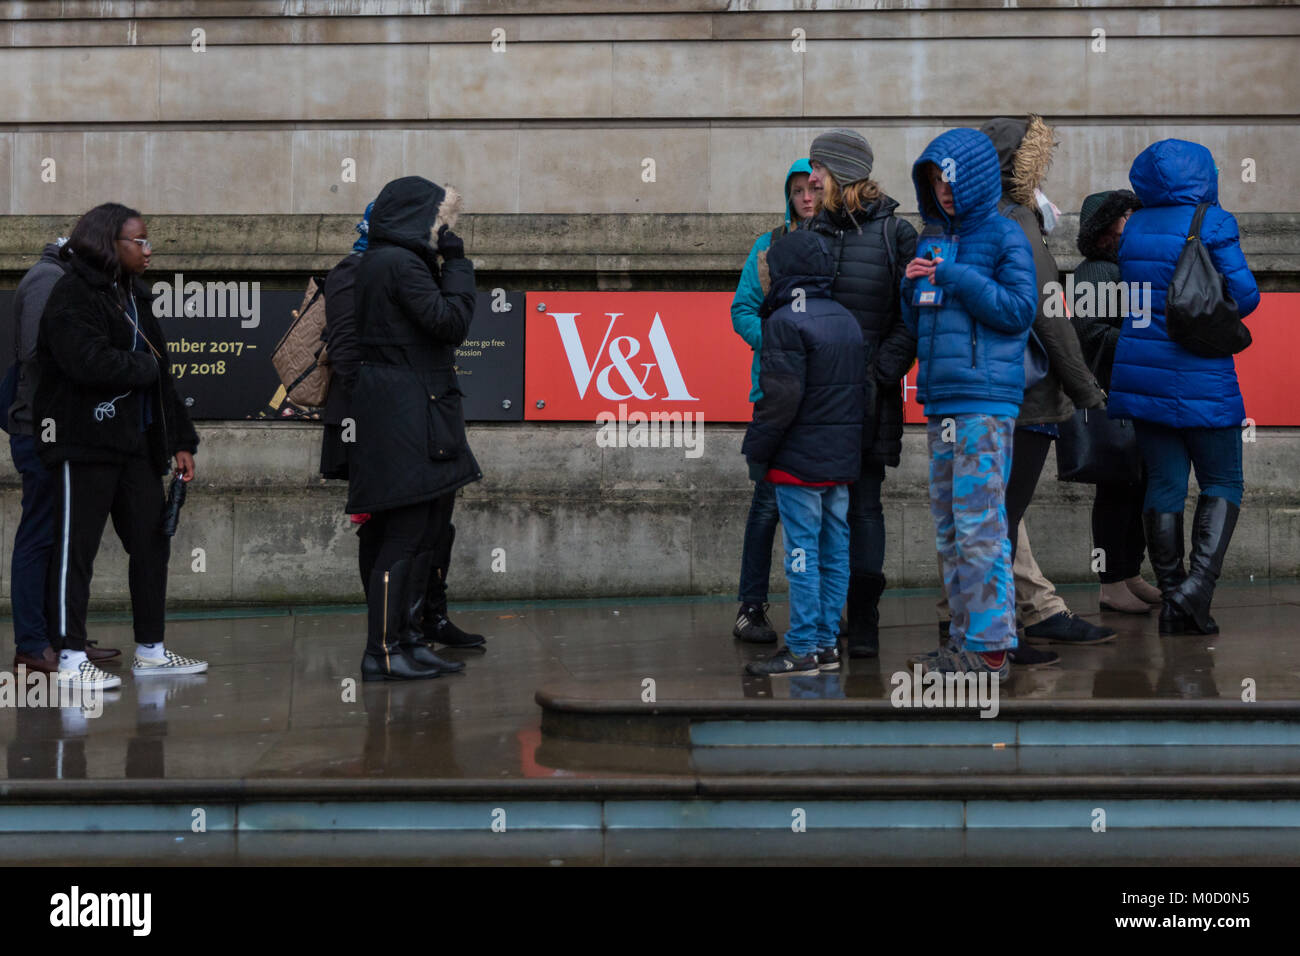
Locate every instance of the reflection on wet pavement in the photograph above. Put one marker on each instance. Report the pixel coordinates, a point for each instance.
(283, 697)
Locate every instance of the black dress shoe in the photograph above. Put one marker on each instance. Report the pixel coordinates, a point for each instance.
(46, 663)
(97, 655)
(446, 633)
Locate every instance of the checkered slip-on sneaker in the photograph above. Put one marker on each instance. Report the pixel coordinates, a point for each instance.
(87, 675)
(171, 663)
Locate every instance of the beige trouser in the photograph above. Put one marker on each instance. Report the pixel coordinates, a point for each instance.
(1036, 599)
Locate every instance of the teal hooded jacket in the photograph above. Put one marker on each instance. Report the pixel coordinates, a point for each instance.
(749, 292)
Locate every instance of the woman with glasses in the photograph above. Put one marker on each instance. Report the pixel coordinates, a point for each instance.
(108, 420)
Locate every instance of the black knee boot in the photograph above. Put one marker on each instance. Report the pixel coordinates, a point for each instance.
(385, 658)
(1164, 533)
(1212, 528)
(416, 640)
(864, 614)
(439, 627)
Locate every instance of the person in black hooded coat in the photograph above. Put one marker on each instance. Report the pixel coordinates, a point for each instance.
(1116, 507)
(414, 303)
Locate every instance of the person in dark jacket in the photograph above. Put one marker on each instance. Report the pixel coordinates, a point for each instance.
(752, 624)
(870, 246)
(34, 537)
(971, 380)
(1025, 146)
(1186, 409)
(109, 421)
(806, 438)
(344, 354)
(1116, 506)
(414, 304)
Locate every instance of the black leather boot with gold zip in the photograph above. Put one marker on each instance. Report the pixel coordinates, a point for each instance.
(385, 658)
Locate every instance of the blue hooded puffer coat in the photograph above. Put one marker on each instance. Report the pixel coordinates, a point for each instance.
(1154, 378)
(971, 347)
(749, 292)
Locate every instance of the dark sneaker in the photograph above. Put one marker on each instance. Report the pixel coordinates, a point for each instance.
(752, 625)
(960, 661)
(1030, 657)
(784, 664)
(1066, 627)
(828, 658)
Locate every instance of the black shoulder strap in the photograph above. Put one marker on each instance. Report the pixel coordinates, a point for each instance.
(890, 232)
(1195, 231)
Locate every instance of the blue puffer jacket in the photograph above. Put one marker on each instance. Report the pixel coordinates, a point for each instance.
(749, 292)
(814, 371)
(1154, 378)
(971, 348)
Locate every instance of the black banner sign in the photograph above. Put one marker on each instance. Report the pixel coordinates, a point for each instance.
(220, 336)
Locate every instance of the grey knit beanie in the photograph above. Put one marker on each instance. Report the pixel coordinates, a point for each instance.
(845, 153)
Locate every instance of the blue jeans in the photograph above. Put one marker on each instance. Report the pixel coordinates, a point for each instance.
(760, 532)
(1171, 453)
(867, 522)
(815, 525)
(33, 542)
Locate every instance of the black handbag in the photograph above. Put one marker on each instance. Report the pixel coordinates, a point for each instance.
(1200, 315)
(1037, 362)
(1095, 449)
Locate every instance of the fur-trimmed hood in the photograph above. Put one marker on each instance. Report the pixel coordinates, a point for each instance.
(1025, 147)
(1093, 224)
(410, 211)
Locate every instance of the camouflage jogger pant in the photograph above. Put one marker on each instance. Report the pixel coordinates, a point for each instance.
(970, 463)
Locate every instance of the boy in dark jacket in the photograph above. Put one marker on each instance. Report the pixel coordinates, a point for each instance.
(971, 380)
(806, 439)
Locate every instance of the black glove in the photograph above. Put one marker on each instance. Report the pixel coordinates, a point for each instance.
(450, 245)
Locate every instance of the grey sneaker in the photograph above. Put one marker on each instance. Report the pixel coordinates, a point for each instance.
(961, 661)
(169, 663)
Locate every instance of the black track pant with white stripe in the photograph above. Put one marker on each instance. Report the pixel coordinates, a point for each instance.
(86, 496)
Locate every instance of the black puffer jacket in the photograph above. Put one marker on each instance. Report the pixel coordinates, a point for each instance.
(1099, 334)
(865, 284)
(411, 315)
(812, 371)
(92, 383)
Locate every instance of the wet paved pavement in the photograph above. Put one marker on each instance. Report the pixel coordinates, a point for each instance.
(276, 702)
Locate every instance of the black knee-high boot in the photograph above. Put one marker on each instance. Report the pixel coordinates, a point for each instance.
(415, 638)
(1212, 528)
(385, 658)
(1164, 533)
